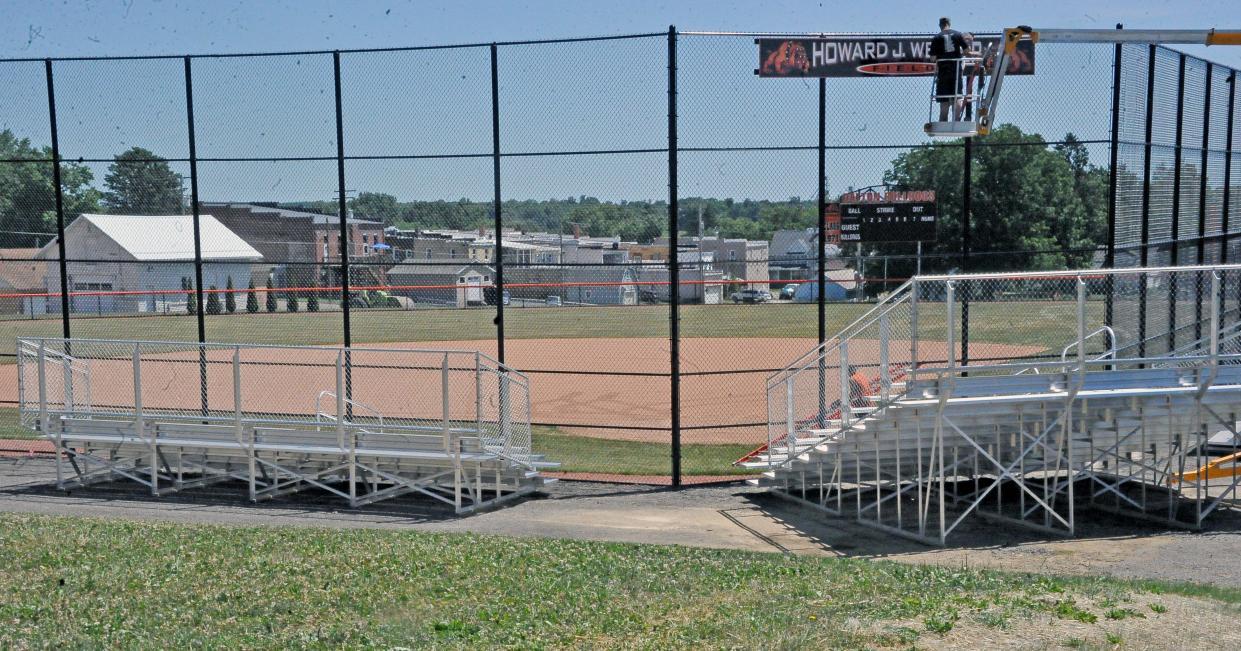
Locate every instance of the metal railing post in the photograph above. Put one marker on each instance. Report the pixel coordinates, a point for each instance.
(140, 421)
(846, 410)
(478, 392)
(913, 331)
(45, 421)
(1215, 312)
(790, 409)
(885, 373)
(237, 422)
(447, 425)
(1081, 328)
(950, 300)
(340, 398)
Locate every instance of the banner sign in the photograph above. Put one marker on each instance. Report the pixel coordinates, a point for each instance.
(866, 56)
(888, 217)
(831, 224)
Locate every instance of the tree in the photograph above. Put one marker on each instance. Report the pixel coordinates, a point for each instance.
(213, 301)
(191, 297)
(252, 300)
(230, 299)
(271, 296)
(376, 206)
(140, 183)
(27, 196)
(1026, 202)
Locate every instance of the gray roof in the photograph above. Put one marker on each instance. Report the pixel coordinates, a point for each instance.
(783, 243)
(424, 268)
(315, 218)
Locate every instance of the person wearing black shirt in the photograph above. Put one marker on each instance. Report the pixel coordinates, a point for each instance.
(947, 48)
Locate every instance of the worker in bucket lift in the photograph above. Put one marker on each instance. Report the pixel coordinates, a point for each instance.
(947, 48)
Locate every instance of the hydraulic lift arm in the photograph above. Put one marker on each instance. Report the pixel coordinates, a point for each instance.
(990, 100)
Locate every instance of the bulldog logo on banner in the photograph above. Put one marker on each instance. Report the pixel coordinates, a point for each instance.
(857, 56)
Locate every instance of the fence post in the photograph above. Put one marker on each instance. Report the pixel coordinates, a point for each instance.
(1144, 252)
(1113, 179)
(62, 257)
(674, 271)
(201, 305)
(497, 206)
(342, 209)
(1202, 199)
(1177, 160)
(966, 208)
(1223, 252)
(819, 279)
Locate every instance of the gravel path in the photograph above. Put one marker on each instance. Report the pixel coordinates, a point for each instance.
(731, 516)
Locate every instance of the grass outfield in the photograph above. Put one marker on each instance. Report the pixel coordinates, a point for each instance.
(1012, 323)
(86, 583)
(588, 454)
(10, 426)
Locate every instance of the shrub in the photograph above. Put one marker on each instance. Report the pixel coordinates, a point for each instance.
(312, 303)
(213, 301)
(271, 297)
(191, 298)
(252, 300)
(230, 299)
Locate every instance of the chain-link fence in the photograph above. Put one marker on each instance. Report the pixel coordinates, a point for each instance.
(635, 222)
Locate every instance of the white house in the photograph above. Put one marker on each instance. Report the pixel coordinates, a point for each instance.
(138, 263)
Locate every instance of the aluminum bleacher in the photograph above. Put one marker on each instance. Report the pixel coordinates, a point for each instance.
(1087, 390)
(450, 425)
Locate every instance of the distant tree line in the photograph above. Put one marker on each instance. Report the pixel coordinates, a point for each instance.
(1049, 201)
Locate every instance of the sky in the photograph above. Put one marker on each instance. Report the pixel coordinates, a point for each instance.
(607, 95)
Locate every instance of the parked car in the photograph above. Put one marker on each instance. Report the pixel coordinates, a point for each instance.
(751, 296)
(554, 301)
(788, 291)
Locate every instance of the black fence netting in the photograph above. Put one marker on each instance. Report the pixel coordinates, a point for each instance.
(638, 223)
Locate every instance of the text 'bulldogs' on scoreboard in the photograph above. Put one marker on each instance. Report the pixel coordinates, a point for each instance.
(912, 221)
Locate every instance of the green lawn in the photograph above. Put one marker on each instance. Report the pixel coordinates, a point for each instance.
(587, 454)
(1043, 323)
(87, 583)
(10, 426)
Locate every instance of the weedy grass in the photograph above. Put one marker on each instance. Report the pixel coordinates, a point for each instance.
(80, 582)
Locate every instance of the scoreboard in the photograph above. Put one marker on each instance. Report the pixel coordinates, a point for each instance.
(901, 221)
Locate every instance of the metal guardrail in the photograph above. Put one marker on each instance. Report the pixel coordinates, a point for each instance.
(477, 395)
(859, 371)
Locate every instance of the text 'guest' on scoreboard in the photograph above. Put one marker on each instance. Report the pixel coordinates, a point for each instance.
(874, 217)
